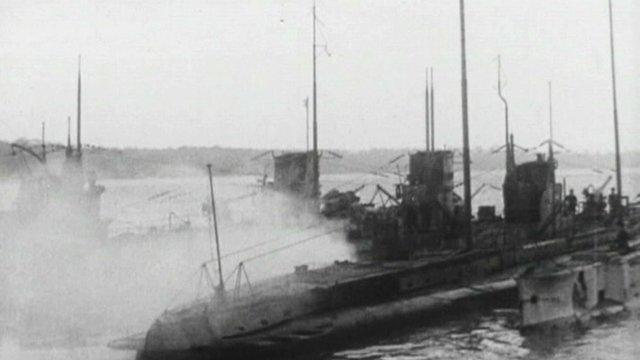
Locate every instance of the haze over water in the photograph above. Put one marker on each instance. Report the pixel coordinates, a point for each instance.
(81, 293)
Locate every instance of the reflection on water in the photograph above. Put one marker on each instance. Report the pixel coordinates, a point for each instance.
(492, 336)
(476, 336)
(132, 282)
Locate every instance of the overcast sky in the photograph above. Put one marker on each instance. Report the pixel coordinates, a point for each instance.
(235, 73)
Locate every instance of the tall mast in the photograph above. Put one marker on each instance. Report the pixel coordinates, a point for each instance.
(306, 107)
(507, 147)
(215, 229)
(432, 108)
(68, 150)
(465, 135)
(79, 115)
(615, 105)
(316, 162)
(550, 125)
(427, 114)
(44, 148)
(552, 160)
(512, 149)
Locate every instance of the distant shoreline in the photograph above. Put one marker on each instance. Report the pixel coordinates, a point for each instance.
(130, 163)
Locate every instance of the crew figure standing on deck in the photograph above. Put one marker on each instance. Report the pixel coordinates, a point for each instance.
(622, 239)
(571, 202)
(594, 206)
(601, 205)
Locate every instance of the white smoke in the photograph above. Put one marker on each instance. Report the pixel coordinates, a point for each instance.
(65, 290)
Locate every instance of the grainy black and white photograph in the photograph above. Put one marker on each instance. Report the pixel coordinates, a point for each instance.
(319, 179)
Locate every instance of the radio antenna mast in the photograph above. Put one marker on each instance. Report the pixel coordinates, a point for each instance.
(432, 109)
(615, 105)
(215, 229)
(427, 114)
(465, 136)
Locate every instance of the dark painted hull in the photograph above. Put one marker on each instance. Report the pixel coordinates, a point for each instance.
(350, 326)
(417, 293)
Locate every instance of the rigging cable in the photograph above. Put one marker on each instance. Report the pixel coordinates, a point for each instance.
(299, 242)
(290, 245)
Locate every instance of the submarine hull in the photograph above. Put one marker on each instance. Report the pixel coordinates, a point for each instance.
(343, 311)
(315, 334)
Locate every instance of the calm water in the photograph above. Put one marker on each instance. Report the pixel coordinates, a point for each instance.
(65, 298)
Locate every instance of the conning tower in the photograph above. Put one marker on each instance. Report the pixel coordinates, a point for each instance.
(530, 192)
(428, 205)
(528, 189)
(430, 179)
(294, 174)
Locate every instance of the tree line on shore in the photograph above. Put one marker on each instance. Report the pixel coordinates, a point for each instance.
(190, 161)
